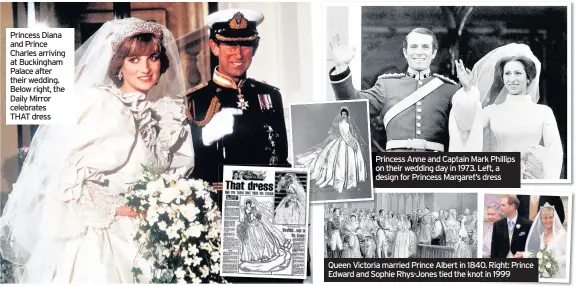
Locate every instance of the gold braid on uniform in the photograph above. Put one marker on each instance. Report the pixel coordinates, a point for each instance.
(230, 39)
(212, 109)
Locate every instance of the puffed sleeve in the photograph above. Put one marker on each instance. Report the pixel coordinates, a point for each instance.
(465, 121)
(101, 141)
(553, 144)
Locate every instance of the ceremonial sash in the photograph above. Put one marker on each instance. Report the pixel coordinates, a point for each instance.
(411, 99)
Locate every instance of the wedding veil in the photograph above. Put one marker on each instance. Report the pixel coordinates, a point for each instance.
(558, 245)
(36, 222)
(485, 78)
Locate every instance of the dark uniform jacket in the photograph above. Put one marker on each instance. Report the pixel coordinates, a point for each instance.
(427, 119)
(259, 137)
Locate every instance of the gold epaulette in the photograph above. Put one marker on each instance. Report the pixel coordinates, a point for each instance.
(445, 79)
(195, 88)
(392, 75)
(265, 83)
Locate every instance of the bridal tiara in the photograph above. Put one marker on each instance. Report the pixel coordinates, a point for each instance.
(135, 28)
(547, 205)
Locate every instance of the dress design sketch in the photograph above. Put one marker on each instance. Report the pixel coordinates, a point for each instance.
(264, 248)
(292, 208)
(338, 161)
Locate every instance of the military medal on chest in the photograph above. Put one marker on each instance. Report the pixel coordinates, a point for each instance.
(242, 103)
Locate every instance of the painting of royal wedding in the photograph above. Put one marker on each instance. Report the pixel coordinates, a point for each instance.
(403, 225)
(167, 94)
(458, 79)
(529, 226)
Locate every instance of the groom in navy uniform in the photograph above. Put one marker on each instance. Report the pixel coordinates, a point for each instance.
(510, 233)
(413, 107)
(235, 120)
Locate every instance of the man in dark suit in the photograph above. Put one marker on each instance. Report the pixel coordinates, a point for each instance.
(510, 233)
(530, 205)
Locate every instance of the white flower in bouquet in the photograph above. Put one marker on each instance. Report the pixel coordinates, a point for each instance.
(215, 255)
(180, 273)
(193, 250)
(548, 265)
(168, 195)
(215, 268)
(189, 211)
(195, 230)
(154, 186)
(205, 271)
(539, 255)
(152, 215)
(188, 261)
(175, 226)
(162, 225)
(179, 225)
(196, 261)
(196, 280)
(184, 187)
(172, 232)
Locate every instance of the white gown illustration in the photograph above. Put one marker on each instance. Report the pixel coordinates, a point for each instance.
(263, 247)
(338, 161)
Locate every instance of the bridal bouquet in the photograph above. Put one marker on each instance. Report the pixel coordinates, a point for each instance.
(547, 265)
(179, 228)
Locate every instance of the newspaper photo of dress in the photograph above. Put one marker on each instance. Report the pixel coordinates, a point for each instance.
(291, 208)
(265, 222)
(340, 164)
(264, 248)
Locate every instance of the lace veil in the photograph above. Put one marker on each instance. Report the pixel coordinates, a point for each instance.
(534, 241)
(35, 222)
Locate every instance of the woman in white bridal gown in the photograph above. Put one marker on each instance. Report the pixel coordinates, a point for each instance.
(508, 80)
(340, 160)
(292, 208)
(66, 219)
(547, 230)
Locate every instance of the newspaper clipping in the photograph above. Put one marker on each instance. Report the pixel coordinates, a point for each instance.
(265, 218)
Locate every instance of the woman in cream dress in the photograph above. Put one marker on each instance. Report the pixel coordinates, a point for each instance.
(508, 80)
(66, 219)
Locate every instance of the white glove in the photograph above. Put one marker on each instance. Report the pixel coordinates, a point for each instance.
(220, 125)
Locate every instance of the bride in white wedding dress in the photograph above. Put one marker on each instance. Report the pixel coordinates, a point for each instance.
(508, 80)
(548, 231)
(292, 208)
(66, 219)
(338, 161)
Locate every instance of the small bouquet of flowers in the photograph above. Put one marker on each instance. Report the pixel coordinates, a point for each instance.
(547, 265)
(179, 228)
